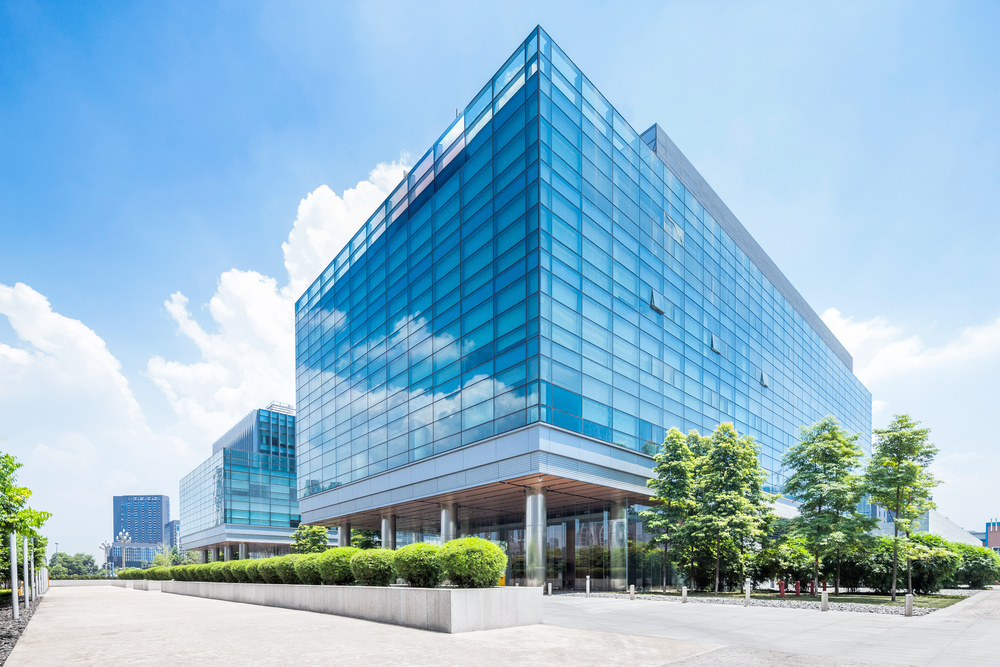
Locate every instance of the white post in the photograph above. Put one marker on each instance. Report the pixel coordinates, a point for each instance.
(631, 592)
(747, 586)
(13, 575)
(684, 593)
(824, 602)
(27, 582)
(588, 585)
(550, 589)
(909, 605)
(34, 580)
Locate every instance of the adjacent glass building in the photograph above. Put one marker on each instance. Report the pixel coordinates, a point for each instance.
(241, 502)
(144, 518)
(503, 345)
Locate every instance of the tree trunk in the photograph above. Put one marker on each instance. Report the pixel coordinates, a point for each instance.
(718, 563)
(816, 574)
(836, 584)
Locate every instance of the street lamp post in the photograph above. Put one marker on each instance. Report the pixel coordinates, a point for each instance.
(105, 545)
(124, 538)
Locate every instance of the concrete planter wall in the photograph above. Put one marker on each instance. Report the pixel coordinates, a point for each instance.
(65, 583)
(439, 609)
(142, 585)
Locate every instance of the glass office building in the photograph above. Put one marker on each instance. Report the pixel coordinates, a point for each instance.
(241, 502)
(144, 518)
(502, 346)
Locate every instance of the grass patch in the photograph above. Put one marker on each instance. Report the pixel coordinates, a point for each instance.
(919, 601)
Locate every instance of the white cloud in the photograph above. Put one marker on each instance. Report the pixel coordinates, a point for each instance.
(247, 354)
(72, 419)
(881, 350)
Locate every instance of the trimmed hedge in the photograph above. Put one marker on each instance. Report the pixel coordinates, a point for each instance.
(472, 562)
(373, 567)
(253, 571)
(335, 566)
(269, 571)
(307, 569)
(418, 565)
(286, 568)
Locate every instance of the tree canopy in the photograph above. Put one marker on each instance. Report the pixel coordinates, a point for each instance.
(309, 539)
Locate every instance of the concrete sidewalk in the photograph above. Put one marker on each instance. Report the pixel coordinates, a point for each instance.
(106, 625)
(967, 633)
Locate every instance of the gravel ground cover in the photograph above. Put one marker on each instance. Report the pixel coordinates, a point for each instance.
(787, 604)
(11, 631)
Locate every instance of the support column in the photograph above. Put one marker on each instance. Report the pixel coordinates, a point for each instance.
(243, 550)
(344, 535)
(449, 522)
(535, 552)
(204, 555)
(618, 545)
(226, 552)
(389, 531)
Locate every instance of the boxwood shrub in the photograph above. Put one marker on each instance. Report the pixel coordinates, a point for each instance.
(215, 572)
(269, 571)
(418, 565)
(253, 571)
(472, 562)
(307, 569)
(373, 567)
(238, 570)
(131, 573)
(286, 568)
(335, 566)
(158, 574)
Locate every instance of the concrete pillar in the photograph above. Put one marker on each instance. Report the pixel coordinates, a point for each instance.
(389, 531)
(569, 567)
(243, 550)
(344, 535)
(226, 552)
(535, 552)
(449, 522)
(618, 545)
(204, 555)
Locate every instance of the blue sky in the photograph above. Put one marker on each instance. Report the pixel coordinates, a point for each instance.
(153, 150)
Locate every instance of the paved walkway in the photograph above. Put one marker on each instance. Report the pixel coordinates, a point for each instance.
(108, 625)
(967, 633)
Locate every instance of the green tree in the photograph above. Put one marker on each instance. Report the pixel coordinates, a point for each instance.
(15, 515)
(731, 511)
(823, 477)
(309, 539)
(168, 557)
(363, 538)
(65, 565)
(897, 479)
(673, 493)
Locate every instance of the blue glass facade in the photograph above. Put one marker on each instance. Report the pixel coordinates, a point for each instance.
(545, 263)
(245, 492)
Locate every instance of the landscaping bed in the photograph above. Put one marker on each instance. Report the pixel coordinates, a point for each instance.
(863, 603)
(10, 631)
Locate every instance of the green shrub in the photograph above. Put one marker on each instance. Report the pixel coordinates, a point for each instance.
(177, 573)
(131, 573)
(418, 564)
(269, 571)
(286, 568)
(253, 571)
(215, 572)
(335, 566)
(980, 566)
(201, 572)
(238, 571)
(307, 569)
(158, 574)
(373, 567)
(227, 572)
(472, 562)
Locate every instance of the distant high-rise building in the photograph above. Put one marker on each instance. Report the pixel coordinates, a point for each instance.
(242, 500)
(144, 518)
(172, 533)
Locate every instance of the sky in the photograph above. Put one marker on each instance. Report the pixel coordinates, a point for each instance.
(173, 175)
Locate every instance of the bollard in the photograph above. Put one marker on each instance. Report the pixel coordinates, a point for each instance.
(909, 605)
(824, 585)
(550, 589)
(747, 602)
(631, 592)
(798, 588)
(588, 585)
(824, 602)
(684, 593)
(781, 589)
